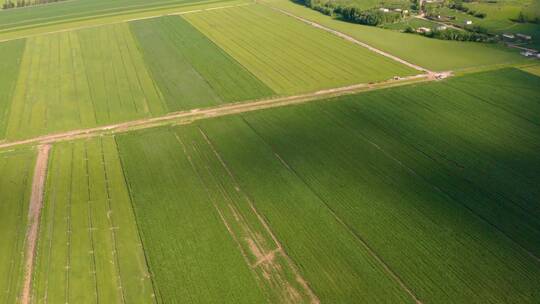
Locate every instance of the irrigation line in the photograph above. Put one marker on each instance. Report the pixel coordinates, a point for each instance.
(91, 224)
(110, 217)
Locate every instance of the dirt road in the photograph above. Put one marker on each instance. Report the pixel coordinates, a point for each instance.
(226, 109)
(34, 212)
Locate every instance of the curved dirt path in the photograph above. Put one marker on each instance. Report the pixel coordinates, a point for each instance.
(34, 212)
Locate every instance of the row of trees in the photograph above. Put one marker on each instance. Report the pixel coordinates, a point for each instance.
(22, 3)
(453, 34)
(352, 13)
(460, 7)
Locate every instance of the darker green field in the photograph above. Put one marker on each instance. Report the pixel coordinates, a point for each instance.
(189, 69)
(422, 191)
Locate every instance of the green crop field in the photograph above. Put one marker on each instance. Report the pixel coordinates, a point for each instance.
(16, 169)
(69, 10)
(241, 151)
(191, 254)
(256, 35)
(430, 53)
(78, 80)
(392, 182)
(89, 248)
(190, 70)
(12, 50)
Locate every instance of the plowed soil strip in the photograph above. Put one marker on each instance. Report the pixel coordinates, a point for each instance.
(222, 110)
(34, 212)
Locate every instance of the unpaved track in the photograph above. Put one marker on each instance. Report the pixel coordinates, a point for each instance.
(222, 110)
(34, 212)
(353, 40)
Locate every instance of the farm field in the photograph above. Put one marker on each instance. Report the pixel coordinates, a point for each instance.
(240, 151)
(13, 50)
(80, 79)
(255, 35)
(438, 55)
(339, 158)
(68, 10)
(183, 233)
(17, 170)
(344, 152)
(89, 248)
(190, 70)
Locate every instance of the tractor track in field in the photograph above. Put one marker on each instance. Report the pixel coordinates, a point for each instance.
(189, 116)
(34, 213)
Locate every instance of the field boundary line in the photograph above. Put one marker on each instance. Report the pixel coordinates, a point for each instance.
(351, 39)
(34, 214)
(393, 275)
(188, 116)
(77, 28)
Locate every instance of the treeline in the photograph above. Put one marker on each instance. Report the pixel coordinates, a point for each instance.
(22, 3)
(459, 6)
(352, 13)
(454, 34)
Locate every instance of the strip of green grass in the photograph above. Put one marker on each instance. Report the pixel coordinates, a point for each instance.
(190, 70)
(192, 256)
(430, 53)
(88, 247)
(16, 169)
(290, 56)
(11, 54)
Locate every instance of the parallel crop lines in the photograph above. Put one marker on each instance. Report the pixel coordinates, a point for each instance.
(13, 50)
(16, 168)
(273, 269)
(329, 257)
(79, 79)
(184, 236)
(255, 36)
(426, 174)
(79, 251)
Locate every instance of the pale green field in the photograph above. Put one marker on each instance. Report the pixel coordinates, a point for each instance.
(89, 249)
(16, 169)
(430, 53)
(80, 79)
(290, 56)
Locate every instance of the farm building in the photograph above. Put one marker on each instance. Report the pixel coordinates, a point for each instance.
(468, 22)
